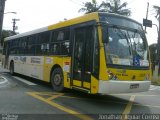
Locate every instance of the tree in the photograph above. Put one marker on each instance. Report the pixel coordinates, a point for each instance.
(152, 49)
(6, 33)
(115, 6)
(91, 7)
(157, 9)
(110, 6)
(157, 67)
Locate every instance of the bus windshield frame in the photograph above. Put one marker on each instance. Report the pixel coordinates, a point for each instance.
(133, 38)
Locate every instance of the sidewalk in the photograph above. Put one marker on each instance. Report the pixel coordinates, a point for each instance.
(2, 70)
(155, 79)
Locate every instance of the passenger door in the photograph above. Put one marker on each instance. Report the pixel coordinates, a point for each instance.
(82, 57)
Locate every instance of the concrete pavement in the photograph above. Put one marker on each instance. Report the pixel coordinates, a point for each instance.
(2, 70)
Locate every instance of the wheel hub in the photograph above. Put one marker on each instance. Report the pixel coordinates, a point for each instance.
(57, 79)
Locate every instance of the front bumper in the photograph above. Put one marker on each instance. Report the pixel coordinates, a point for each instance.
(112, 86)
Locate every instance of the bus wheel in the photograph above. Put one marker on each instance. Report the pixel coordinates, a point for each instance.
(11, 68)
(57, 80)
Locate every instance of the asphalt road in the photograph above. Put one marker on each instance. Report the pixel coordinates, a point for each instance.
(24, 98)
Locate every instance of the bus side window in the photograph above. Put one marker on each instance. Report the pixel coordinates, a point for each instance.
(30, 48)
(55, 48)
(38, 49)
(60, 35)
(60, 42)
(43, 37)
(52, 36)
(65, 48)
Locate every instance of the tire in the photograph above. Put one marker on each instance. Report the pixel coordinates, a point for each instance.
(11, 69)
(57, 80)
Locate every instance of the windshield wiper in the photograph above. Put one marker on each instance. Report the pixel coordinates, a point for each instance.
(125, 36)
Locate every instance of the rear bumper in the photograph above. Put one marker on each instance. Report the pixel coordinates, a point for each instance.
(110, 87)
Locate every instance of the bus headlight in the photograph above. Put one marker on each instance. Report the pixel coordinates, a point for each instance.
(111, 76)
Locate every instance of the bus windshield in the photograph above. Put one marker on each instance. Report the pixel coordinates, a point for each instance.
(125, 47)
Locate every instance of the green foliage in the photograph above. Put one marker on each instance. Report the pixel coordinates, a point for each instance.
(153, 53)
(152, 49)
(157, 10)
(115, 6)
(6, 33)
(91, 7)
(110, 6)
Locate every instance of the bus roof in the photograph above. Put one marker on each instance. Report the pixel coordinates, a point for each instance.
(84, 18)
(81, 19)
(26, 33)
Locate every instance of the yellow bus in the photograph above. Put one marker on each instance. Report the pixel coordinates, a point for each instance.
(95, 53)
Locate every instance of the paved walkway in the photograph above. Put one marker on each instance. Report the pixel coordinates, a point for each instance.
(2, 69)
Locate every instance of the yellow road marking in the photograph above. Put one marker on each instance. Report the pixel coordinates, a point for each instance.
(128, 108)
(77, 114)
(55, 96)
(51, 94)
(111, 101)
(47, 93)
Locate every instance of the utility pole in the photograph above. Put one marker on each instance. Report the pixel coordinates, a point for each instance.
(14, 25)
(158, 43)
(147, 14)
(2, 6)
